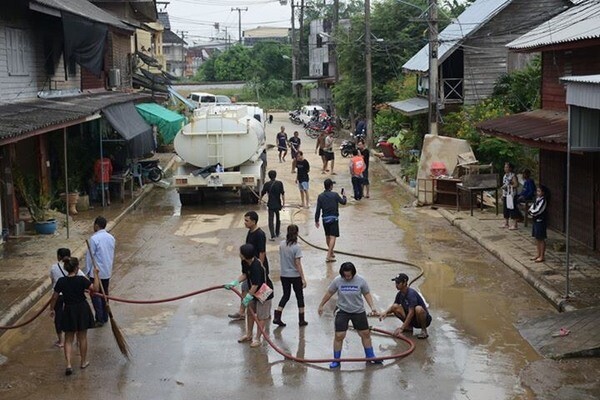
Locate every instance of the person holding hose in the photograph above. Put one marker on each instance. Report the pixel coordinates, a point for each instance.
(292, 275)
(77, 315)
(350, 288)
(256, 274)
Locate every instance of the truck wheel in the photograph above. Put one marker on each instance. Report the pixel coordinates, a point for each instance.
(247, 196)
(155, 174)
(190, 199)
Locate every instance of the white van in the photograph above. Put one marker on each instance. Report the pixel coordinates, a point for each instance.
(307, 112)
(202, 99)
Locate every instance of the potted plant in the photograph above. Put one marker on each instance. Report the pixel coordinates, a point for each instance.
(38, 203)
(71, 198)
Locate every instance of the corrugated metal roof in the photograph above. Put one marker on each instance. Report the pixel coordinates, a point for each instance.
(84, 9)
(414, 106)
(476, 15)
(582, 79)
(538, 128)
(23, 117)
(580, 22)
(171, 37)
(163, 18)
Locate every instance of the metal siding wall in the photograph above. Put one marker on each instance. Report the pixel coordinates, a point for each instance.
(597, 200)
(582, 198)
(552, 175)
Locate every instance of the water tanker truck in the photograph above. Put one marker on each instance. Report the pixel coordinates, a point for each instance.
(222, 148)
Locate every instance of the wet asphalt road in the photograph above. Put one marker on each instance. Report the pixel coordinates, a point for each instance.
(187, 349)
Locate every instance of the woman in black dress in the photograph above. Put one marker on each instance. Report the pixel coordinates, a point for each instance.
(77, 315)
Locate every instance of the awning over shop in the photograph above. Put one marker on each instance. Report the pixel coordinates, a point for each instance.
(544, 129)
(410, 107)
(168, 122)
(125, 119)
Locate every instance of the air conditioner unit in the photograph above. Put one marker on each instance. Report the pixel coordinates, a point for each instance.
(114, 78)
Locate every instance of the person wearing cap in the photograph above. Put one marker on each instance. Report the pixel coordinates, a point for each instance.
(350, 288)
(410, 308)
(327, 203)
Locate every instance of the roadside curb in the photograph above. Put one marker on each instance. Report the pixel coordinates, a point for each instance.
(18, 310)
(542, 287)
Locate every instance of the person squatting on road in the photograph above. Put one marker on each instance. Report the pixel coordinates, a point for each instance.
(302, 170)
(256, 274)
(57, 271)
(357, 167)
(102, 244)
(350, 288)
(538, 230)
(292, 275)
(257, 238)
(281, 142)
(410, 308)
(77, 316)
(327, 202)
(275, 203)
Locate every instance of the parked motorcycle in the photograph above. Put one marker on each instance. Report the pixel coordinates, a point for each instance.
(295, 117)
(348, 146)
(149, 169)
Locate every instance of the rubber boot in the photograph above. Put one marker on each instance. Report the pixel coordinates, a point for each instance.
(337, 355)
(301, 320)
(277, 319)
(369, 353)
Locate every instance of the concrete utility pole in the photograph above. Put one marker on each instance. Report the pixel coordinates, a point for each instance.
(294, 62)
(239, 10)
(336, 22)
(369, 78)
(183, 33)
(433, 67)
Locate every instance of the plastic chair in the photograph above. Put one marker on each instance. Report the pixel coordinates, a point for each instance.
(136, 173)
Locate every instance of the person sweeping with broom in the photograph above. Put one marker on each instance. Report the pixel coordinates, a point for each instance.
(77, 315)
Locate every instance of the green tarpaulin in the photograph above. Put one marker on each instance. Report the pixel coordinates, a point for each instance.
(167, 122)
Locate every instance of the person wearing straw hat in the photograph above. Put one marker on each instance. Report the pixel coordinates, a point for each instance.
(410, 308)
(77, 316)
(102, 247)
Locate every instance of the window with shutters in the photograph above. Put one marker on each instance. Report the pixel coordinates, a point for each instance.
(15, 52)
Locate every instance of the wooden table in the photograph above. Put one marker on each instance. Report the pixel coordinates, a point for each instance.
(121, 181)
(471, 191)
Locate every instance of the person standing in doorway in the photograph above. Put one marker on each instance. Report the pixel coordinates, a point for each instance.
(103, 170)
(366, 154)
(57, 271)
(102, 245)
(282, 141)
(538, 230)
(302, 170)
(327, 203)
(350, 288)
(292, 275)
(275, 203)
(257, 238)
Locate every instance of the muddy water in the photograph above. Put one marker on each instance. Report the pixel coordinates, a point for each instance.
(187, 349)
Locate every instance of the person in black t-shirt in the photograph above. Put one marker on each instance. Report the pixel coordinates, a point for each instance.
(295, 148)
(255, 274)
(274, 189)
(257, 238)
(302, 168)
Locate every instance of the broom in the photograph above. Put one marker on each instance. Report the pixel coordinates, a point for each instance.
(119, 337)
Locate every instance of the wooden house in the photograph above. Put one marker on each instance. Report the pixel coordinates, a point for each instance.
(570, 48)
(57, 60)
(472, 51)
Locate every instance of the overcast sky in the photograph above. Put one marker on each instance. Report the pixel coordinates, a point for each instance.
(198, 17)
